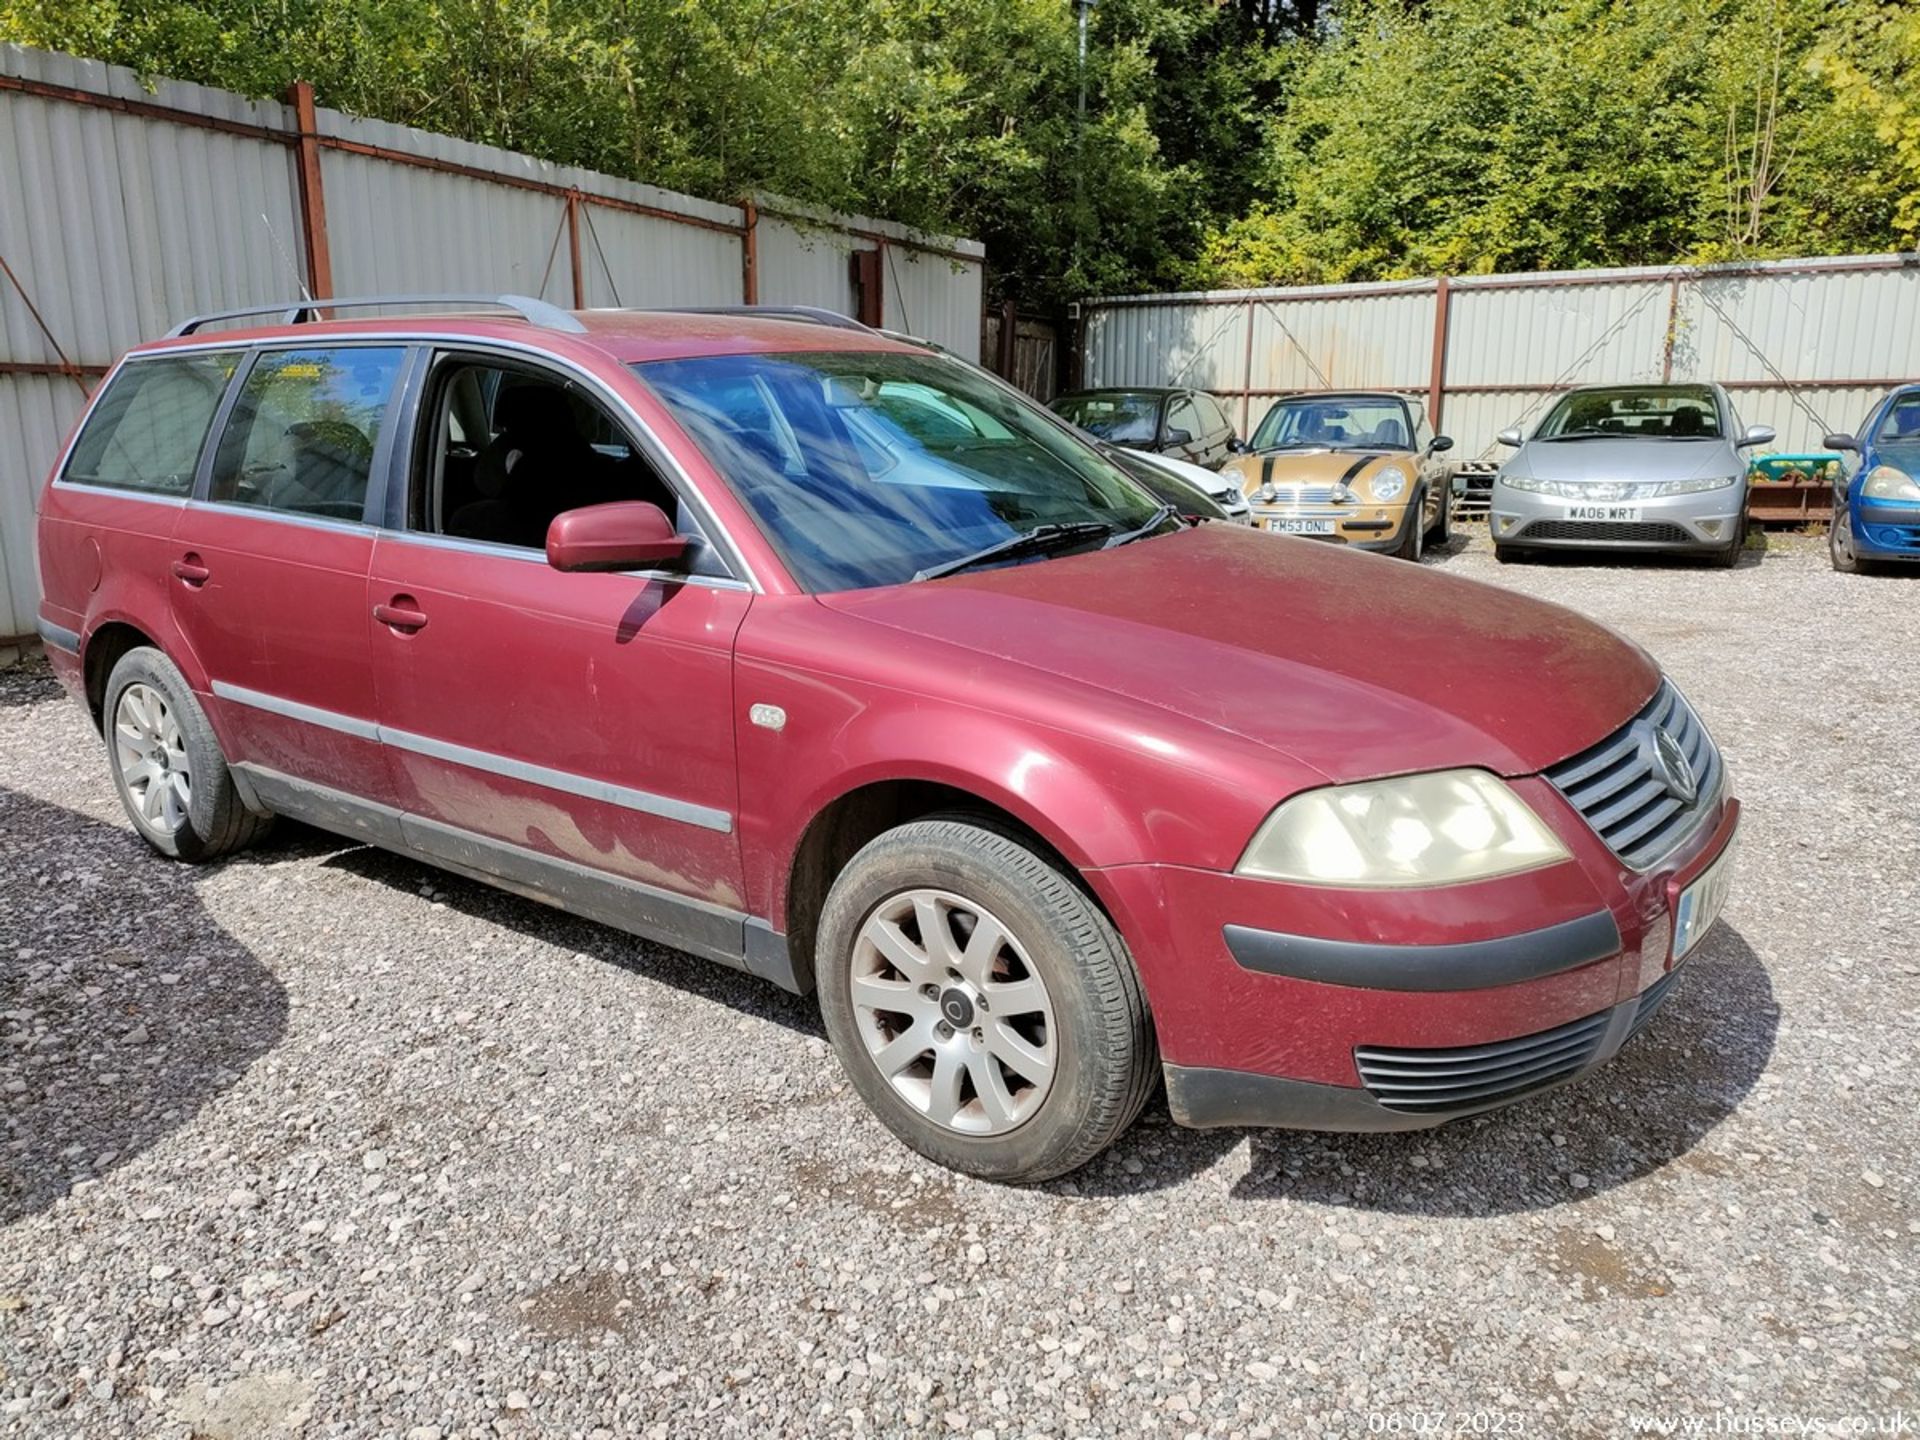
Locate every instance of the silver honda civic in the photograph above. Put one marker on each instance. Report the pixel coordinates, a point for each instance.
(1628, 467)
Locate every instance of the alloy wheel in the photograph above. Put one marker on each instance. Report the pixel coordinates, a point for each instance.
(953, 1013)
(152, 756)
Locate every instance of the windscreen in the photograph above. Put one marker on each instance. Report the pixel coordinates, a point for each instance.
(1121, 417)
(1898, 439)
(866, 468)
(1311, 423)
(1650, 412)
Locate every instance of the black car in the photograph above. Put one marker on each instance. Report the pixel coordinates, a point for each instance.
(1186, 423)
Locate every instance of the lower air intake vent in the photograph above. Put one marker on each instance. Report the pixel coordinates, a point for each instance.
(1621, 532)
(1436, 1082)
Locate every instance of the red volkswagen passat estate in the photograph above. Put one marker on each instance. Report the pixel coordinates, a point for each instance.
(835, 660)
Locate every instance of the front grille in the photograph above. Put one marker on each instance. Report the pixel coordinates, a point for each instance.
(1285, 494)
(1621, 788)
(1626, 532)
(1475, 1077)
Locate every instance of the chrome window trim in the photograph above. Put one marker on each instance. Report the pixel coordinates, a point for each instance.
(119, 492)
(284, 517)
(645, 802)
(497, 550)
(658, 450)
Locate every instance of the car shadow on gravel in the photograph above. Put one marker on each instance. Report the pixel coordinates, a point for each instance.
(705, 979)
(1645, 1109)
(125, 1009)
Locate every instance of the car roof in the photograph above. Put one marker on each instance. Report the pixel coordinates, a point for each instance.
(1341, 395)
(627, 336)
(1124, 390)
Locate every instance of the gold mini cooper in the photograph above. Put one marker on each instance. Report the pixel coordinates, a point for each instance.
(1359, 469)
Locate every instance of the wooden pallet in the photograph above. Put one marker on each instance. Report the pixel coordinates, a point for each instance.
(1792, 502)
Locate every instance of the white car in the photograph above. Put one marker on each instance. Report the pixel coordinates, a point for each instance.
(1221, 489)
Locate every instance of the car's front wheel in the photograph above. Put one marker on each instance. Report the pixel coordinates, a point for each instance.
(981, 1003)
(1442, 531)
(167, 764)
(1840, 544)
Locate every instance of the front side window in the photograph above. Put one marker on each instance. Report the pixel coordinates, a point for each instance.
(303, 432)
(147, 430)
(1121, 417)
(1184, 415)
(1335, 423)
(509, 448)
(870, 468)
(1644, 412)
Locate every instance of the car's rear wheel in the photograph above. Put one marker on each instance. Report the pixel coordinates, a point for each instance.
(167, 764)
(981, 1003)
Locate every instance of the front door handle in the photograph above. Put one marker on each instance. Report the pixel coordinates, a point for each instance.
(401, 614)
(190, 572)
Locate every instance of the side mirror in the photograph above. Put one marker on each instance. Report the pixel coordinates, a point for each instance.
(1179, 437)
(1511, 438)
(1837, 441)
(1237, 446)
(625, 535)
(1755, 435)
(1439, 443)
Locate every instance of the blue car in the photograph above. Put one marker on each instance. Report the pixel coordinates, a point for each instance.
(1876, 508)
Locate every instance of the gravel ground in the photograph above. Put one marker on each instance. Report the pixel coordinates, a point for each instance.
(324, 1142)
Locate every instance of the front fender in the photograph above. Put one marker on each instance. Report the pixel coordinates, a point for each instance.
(1034, 778)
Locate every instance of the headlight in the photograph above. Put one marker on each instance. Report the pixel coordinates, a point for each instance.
(1437, 829)
(1387, 483)
(1520, 482)
(1886, 483)
(1689, 487)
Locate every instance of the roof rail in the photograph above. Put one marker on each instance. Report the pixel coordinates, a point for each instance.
(813, 314)
(301, 312)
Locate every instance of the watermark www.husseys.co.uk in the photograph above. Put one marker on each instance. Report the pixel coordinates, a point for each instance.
(1753, 1422)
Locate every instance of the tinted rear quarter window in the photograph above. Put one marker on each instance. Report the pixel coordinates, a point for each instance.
(147, 430)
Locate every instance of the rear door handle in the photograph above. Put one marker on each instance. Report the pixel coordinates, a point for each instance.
(190, 572)
(401, 614)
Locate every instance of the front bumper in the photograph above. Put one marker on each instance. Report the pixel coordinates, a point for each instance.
(1310, 1008)
(1708, 520)
(1886, 530)
(1363, 527)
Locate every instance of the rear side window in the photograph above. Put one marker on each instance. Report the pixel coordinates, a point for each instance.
(147, 430)
(303, 433)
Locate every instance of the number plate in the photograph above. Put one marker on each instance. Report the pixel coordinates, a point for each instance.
(1604, 512)
(1699, 904)
(1301, 527)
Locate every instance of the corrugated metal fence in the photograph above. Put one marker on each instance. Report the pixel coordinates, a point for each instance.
(124, 209)
(1803, 345)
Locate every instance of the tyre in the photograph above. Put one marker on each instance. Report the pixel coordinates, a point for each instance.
(1413, 533)
(1840, 545)
(167, 764)
(1728, 558)
(980, 1002)
(1442, 531)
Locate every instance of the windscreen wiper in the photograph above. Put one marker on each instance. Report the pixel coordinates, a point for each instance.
(1037, 541)
(1140, 532)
